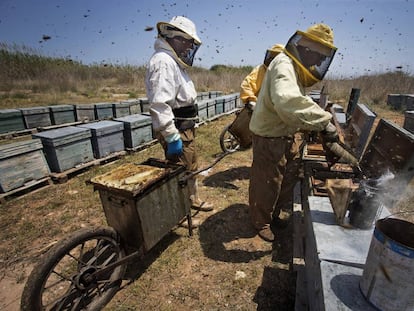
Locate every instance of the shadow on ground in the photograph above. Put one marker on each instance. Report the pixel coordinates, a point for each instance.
(227, 226)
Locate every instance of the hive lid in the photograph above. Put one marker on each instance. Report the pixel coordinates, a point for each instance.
(135, 120)
(104, 127)
(17, 148)
(390, 149)
(62, 136)
(34, 110)
(7, 113)
(56, 108)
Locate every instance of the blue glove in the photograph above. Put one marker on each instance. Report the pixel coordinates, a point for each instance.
(175, 147)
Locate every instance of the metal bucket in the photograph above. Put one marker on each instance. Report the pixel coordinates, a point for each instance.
(387, 279)
(364, 206)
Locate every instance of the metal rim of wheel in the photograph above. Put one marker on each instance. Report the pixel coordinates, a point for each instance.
(64, 280)
(228, 142)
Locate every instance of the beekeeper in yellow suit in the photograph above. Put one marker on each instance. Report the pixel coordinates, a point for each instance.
(172, 97)
(282, 110)
(250, 86)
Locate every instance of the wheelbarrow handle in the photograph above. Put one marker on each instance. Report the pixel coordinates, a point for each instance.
(183, 181)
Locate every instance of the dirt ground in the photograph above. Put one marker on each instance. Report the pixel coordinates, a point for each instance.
(223, 266)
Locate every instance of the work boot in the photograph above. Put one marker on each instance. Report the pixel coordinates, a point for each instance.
(267, 234)
(195, 223)
(201, 206)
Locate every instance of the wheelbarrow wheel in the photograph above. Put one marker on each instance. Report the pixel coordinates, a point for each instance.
(228, 142)
(63, 279)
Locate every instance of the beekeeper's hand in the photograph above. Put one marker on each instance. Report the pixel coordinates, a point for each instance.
(175, 144)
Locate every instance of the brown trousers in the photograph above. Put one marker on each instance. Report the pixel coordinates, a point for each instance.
(273, 175)
(189, 156)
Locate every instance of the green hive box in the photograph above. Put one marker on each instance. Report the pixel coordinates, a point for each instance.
(21, 162)
(66, 147)
(62, 114)
(11, 120)
(137, 129)
(35, 117)
(107, 137)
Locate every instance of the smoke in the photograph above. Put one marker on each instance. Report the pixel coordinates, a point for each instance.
(393, 189)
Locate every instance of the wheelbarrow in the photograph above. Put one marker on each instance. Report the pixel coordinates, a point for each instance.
(142, 204)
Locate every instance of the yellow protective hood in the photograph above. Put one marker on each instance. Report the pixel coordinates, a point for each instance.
(312, 52)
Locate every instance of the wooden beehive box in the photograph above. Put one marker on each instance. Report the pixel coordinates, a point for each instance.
(134, 106)
(145, 105)
(107, 137)
(211, 108)
(11, 120)
(202, 110)
(66, 147)
(62, 114)
(359, 128)
(121, 109)
(230, 102)
(219, 105)
(85, 112)
(137, 129)
(35, 117)
(21, 162)
(409, 121)
(103, 111)
(203, 95)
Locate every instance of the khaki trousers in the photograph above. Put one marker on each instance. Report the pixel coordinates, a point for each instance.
(273, 175)
(189, 156)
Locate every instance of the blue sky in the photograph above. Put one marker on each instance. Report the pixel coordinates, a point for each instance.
(371, 36)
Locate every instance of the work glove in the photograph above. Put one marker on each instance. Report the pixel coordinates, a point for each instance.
(175, 144)
(251, 105)
(175, 147)
(329, 134)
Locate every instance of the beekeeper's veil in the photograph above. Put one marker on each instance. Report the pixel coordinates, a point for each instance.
(312, 51)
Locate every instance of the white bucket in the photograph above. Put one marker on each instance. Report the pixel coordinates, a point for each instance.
(387, 279)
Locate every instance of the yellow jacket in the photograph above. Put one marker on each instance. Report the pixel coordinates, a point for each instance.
(283, 108)
(251, 84)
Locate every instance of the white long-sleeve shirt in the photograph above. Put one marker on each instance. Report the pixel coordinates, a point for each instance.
(168, 86)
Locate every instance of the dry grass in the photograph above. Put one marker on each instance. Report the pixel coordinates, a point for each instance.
(25, 81)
